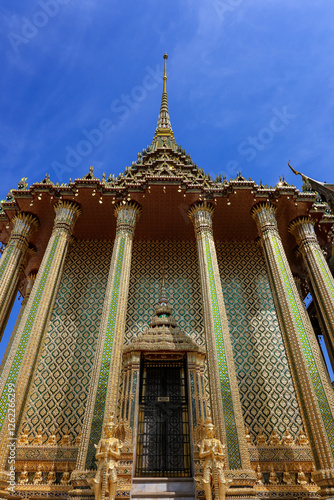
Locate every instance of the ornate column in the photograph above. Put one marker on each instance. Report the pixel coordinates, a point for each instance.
(311, 383)
(321, 278)
(199, 404)
(11, 262)
(128, 403)
(225, 402)
(23, 356)
(104, 392)
(30, 280)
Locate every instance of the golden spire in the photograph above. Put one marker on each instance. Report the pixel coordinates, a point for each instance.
(164, 127)
(165, 73)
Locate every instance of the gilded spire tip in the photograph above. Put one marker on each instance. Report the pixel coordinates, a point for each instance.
(164, 127)
(165, 73)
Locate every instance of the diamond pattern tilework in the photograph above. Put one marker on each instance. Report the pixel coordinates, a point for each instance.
(16, 365)
(326, 411)
(59, 392)
(182, 284)
(266, 390)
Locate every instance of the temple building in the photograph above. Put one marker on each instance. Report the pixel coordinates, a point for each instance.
(163, 348)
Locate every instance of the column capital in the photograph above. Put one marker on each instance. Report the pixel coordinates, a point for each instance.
(264, 215)
(303, 228)
(30, 280)
(201, 214)
(67, 213)
(13, 262)
(127, 214)
(25, 225)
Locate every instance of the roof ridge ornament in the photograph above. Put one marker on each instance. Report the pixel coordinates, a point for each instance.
(164, 127)
(325, 191)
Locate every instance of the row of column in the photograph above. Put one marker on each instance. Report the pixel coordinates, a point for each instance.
(12, 262)
(311, 382)
(312, 388)
(29, 330)
(318, 271)
(104, 387)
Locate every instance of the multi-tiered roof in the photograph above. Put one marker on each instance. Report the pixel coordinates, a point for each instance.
(165, 181)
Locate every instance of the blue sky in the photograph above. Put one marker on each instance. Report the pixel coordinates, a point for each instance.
(234, 65)
(250, 85)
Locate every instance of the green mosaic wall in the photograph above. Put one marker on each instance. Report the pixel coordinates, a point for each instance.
(16, 365)
(182, 285)
(61, 382)
(183, 289)
(267, 395)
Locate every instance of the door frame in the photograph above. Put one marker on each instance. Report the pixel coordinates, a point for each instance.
(164, 356)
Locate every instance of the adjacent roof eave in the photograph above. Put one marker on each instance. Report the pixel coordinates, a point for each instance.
(325, 190)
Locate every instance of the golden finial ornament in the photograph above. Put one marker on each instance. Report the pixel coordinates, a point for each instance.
(164, 127)
(165, 72)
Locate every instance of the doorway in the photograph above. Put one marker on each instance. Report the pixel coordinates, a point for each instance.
(163, 441)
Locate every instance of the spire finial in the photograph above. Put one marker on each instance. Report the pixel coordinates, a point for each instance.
(165, 73)
(164, 127)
